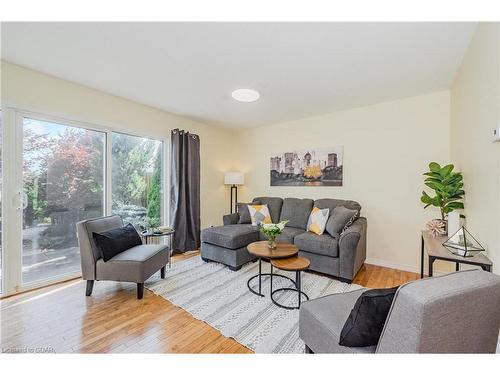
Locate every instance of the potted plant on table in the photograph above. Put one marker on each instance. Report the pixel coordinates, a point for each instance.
(272, 231)
(448, 193)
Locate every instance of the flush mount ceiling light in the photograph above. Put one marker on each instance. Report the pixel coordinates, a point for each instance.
(245, 95)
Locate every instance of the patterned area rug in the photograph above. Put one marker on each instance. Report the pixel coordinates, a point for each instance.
(218, 296)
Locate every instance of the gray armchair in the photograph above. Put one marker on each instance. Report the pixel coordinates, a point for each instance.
(133, 265)
(454, 313)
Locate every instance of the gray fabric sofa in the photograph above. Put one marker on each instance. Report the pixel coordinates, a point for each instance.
(454, 313)
(134, 265)
(341, 255)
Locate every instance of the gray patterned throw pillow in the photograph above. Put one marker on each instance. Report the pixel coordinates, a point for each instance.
(340, 219)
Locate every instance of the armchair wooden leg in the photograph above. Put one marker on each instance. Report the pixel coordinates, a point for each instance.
(162, 272)
(90, 286)
(308, 350)
(140, 290)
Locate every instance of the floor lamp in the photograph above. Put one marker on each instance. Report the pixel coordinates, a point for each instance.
(234, 179)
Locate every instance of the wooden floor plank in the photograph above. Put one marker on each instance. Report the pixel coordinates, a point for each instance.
(113, 320)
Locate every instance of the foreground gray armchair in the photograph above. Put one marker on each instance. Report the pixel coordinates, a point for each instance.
(454, 313)
(133, 265)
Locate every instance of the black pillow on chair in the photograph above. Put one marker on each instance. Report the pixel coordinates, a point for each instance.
(364, 325)
(115, 241)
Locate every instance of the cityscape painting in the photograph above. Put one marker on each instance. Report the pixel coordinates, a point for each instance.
(316, 167)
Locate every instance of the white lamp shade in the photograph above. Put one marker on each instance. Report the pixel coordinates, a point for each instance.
(234, 178)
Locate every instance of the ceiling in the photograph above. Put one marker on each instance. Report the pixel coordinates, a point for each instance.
(300, 69)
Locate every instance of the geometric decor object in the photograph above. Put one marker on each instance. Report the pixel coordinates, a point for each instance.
(463, 243)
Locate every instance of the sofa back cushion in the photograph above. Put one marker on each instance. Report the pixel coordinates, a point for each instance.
(340, 219)
(273, 204)
(297, 211)
(244, 214)
(332, 203)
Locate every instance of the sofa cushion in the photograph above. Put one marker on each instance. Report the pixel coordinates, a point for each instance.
(136, 264)
(297, 211)
(332, 203)
(340, 217)
(289, 234)
(364, 325)
(321, 321)
(312, 243)
(230, 236)
(244, 214)
(274, 204)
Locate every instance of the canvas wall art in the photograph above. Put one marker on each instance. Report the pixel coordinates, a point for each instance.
(315, 167)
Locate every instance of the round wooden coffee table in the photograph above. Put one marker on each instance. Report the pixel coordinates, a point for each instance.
(262, 251)
(296, 264)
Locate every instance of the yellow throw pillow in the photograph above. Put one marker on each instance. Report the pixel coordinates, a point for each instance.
(259, 214)
(317, 220)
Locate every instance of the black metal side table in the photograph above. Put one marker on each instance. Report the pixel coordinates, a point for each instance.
(148, 238)
(297, 265)
(436, 251)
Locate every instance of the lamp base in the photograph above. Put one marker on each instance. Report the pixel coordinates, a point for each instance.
(233, 206)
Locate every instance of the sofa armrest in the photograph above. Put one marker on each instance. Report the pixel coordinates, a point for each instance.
(231, 219)
(352, 249)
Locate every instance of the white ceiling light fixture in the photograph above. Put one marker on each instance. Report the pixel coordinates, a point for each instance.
(245, 95)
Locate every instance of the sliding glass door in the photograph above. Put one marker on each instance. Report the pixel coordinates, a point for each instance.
(1, 190)
(63, 183)
(137, 169)
(56, 173)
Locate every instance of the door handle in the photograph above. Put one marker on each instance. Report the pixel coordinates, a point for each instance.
(21, 200)
(24, 200)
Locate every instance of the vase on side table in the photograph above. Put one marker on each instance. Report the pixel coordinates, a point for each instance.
(272, 231)
(271, 243)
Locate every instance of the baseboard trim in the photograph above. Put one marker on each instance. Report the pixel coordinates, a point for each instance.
(397, 266)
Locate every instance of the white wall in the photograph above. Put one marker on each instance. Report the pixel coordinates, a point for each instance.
(39, 92)
(386, 149)
(475, 112)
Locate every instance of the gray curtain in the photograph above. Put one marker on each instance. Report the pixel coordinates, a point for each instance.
(185, 190)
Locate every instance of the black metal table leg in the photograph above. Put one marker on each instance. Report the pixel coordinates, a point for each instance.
(271, 282)
(298, 289)
(431, 262)
(487, 268)
(422, 257)
(299, 286)
(260, 274)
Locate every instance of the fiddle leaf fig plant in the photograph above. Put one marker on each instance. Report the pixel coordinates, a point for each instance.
(447, 186)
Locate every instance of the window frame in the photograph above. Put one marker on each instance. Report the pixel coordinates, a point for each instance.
(12, 157)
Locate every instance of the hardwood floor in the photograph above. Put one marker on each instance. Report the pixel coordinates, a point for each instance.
(60, 318)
